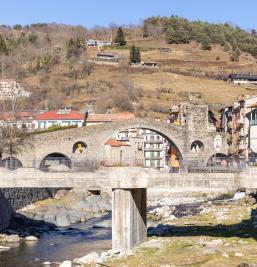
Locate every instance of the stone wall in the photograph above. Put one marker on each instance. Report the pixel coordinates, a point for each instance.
(20, 197)
(6, 211)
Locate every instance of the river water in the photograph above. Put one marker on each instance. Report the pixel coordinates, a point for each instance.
(57, 246)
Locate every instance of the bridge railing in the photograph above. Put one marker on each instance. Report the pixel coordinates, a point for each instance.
(64, 164)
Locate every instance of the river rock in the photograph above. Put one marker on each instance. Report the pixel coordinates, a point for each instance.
(91, 258)
(69, 207)
(66, 264)
(12, 239)
(62, 220)
(103, 224)
(213, 243)
(60, 194)
(31, 238)
(164, 212)
(105, 256)
(3, 248)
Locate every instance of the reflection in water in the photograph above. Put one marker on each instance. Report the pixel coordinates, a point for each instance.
(57, 246)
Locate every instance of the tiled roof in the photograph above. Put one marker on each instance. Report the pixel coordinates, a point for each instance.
(75, 115)
(110, 117)
(53, 115)
(18, 115)
(115, 143)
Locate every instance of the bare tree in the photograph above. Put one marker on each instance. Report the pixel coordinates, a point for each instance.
(12, 138)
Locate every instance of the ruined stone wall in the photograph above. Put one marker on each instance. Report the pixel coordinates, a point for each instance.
(20, 197)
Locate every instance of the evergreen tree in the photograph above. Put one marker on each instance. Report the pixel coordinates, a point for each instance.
(3, 48)
(206, 43)
(120, 39)
(235, 54)
(134, 55)
(145, 31)
(138, 55)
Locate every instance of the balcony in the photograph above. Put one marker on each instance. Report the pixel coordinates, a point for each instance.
(159, 141)
(153, 157)
(158, 149)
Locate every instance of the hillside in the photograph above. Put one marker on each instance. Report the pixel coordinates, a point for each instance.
(53, 62)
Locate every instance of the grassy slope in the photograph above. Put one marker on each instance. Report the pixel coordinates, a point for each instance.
(181, 57)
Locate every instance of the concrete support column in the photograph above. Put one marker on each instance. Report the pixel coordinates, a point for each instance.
(128, 218)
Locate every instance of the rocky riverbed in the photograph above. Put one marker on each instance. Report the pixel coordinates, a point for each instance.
(183, 229)
(215, 233)
(69, 207)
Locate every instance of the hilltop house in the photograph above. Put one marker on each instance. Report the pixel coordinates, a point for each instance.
(243, 79)
(11, 88)
(98, 43)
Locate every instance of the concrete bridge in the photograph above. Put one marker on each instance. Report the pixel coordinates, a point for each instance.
(129, 191)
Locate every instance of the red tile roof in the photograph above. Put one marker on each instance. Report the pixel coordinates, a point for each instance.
(18, 115)
(75, 115)
(53, 115)
(115, 143)
(110, 117)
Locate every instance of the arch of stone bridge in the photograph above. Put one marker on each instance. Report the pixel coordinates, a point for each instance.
(171, 134)
(95, 137)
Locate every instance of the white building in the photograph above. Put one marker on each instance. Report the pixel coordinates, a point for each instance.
(12, 88)
(98, 43)
(59, 118)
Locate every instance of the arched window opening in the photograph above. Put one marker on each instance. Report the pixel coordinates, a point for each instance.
(55, 162)
(142, 147)
(197, 146)
(11, 163)
(79, 147)
(218, 159)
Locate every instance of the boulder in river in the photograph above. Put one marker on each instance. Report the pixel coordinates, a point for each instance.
(69, 207)
(31, 238)
(91, 258)
(66, 264)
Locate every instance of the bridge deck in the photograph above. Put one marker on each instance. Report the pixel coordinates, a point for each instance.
(119, 177)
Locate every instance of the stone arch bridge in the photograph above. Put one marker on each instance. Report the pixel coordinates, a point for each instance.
(94, 136)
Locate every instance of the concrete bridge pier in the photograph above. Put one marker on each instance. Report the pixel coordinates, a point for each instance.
(128, 218)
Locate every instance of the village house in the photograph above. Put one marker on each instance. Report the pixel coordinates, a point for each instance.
(21, 120)
(239, 120)
(98, 43)
(151, 149)
(103, 56)
(243, 79)
(66, 117)
(125, 153)
(10, 88)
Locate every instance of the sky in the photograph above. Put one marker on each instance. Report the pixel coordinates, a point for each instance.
(89, 13)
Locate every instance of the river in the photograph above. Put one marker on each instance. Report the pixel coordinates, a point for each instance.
(57, 246)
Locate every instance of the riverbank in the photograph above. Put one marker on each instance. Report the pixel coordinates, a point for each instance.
(220, 233)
